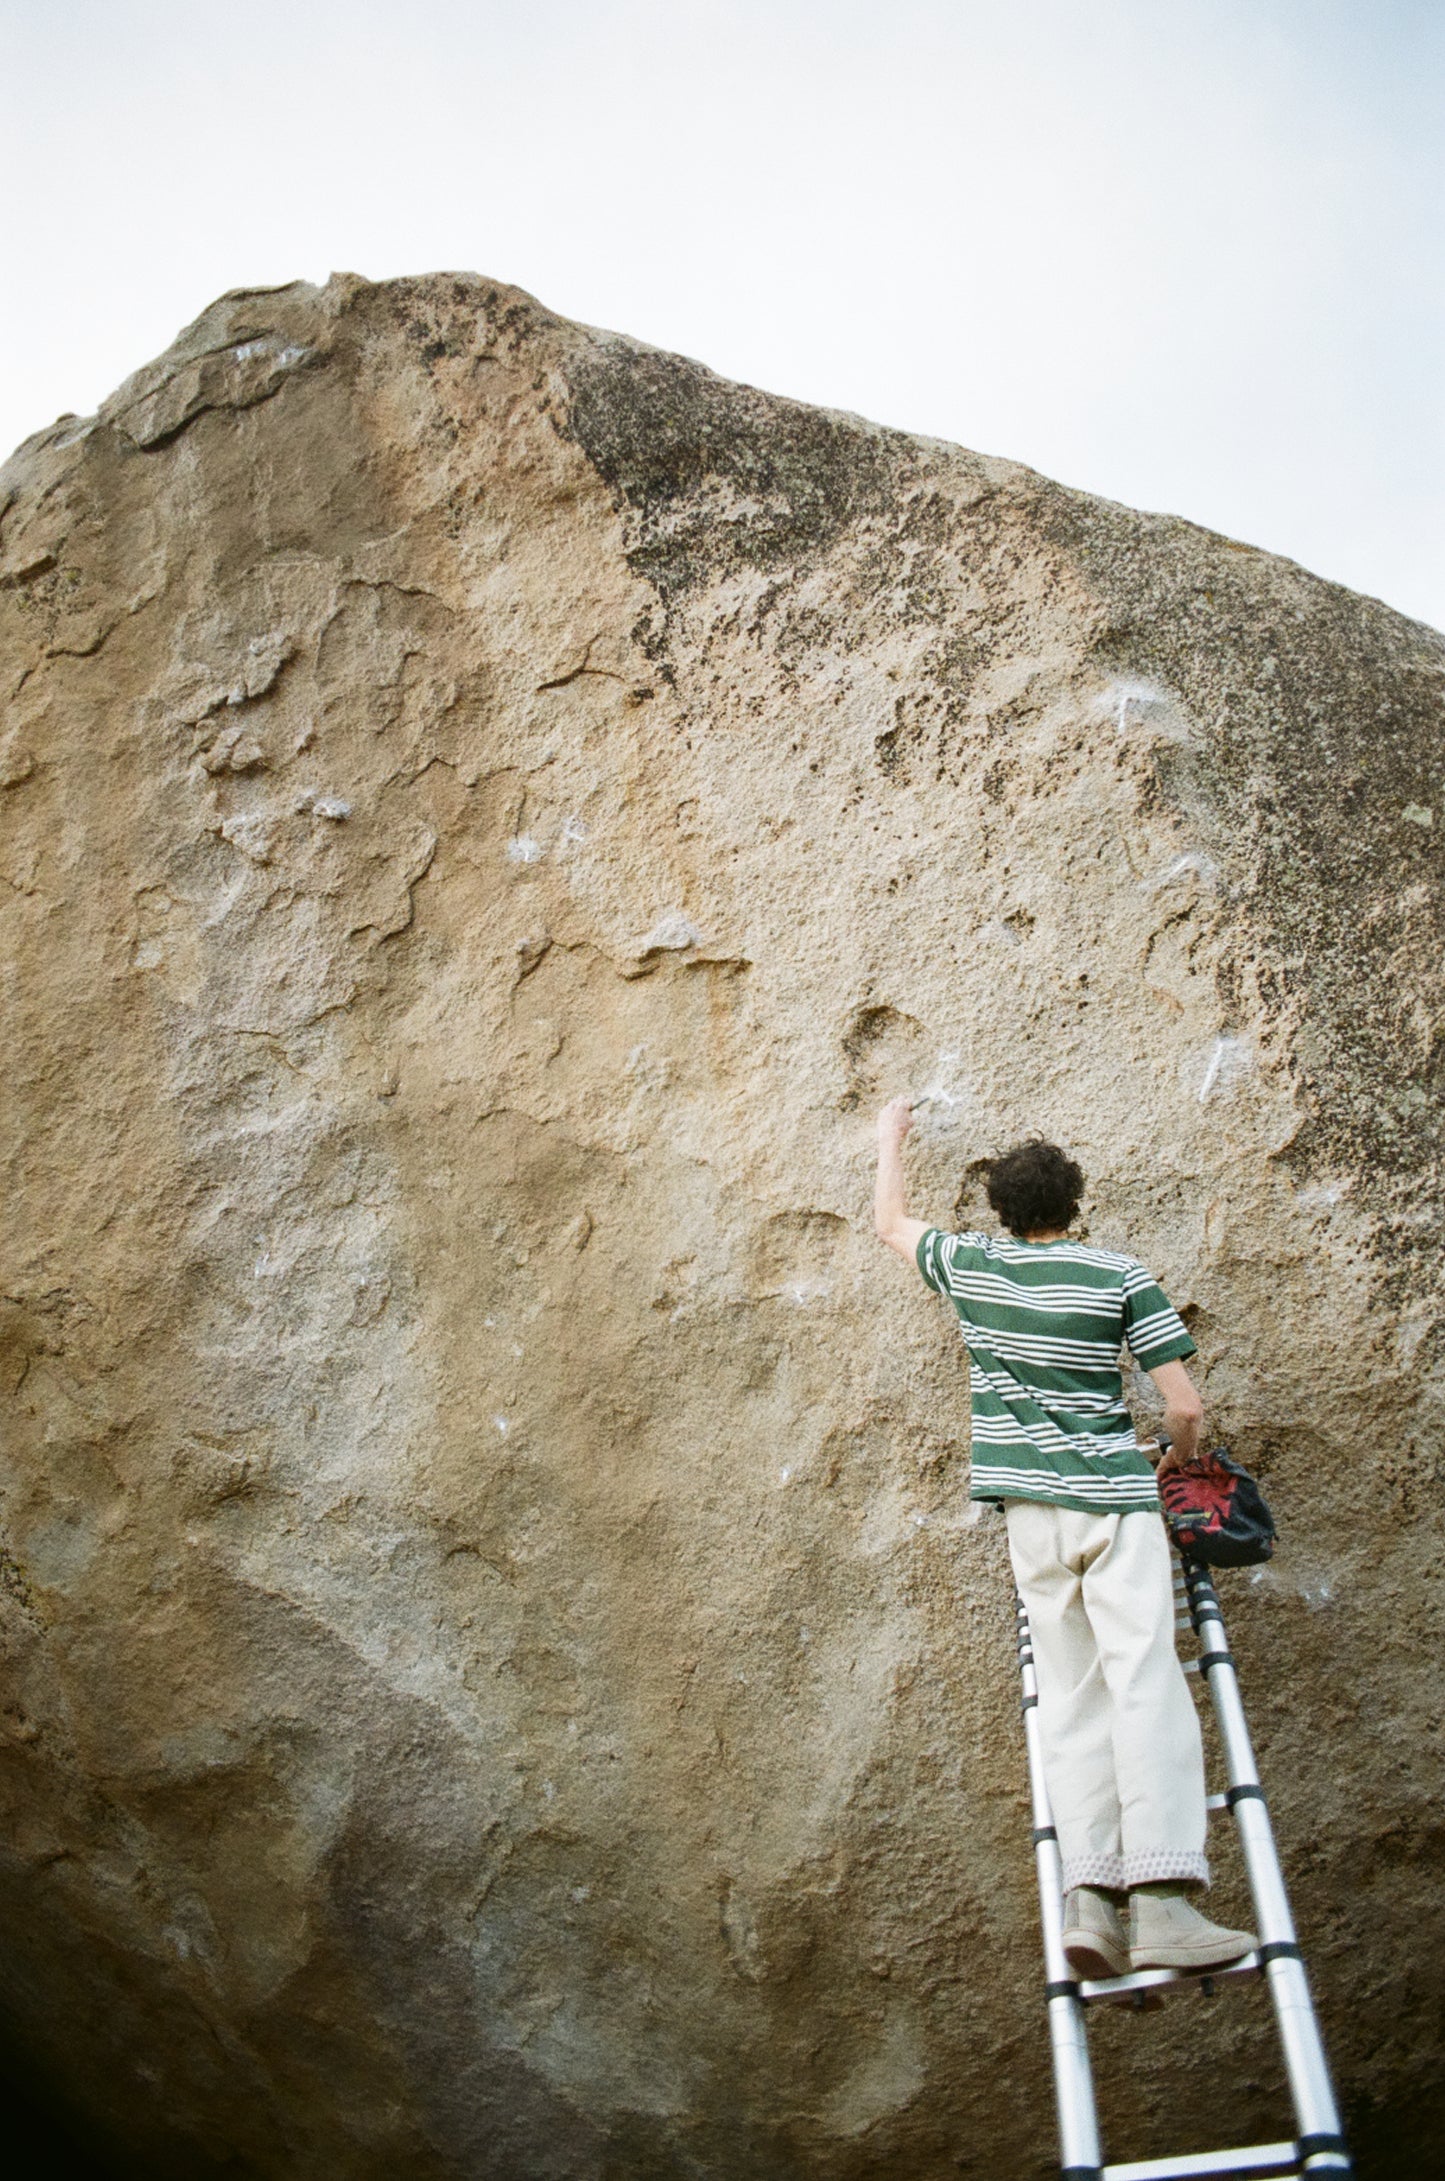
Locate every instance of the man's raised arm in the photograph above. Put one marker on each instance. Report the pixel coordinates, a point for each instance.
(890, 1202)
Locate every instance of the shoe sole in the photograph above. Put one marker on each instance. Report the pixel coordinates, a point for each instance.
(1087, 1957)
(1217, 1956)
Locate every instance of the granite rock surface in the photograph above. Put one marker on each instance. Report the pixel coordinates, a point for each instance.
(500, 1673)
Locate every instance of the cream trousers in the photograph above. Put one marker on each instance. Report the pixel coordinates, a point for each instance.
(1122, 1755)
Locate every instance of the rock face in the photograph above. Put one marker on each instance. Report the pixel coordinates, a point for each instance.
(500, 1673)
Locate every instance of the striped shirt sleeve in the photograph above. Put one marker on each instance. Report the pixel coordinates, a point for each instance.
(930, 1258)
(938, 1257)
(1152, 1326)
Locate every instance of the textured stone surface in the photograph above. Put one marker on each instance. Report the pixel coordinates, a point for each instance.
(500, 1674)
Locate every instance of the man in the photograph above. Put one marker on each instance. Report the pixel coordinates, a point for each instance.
(1044, 1319)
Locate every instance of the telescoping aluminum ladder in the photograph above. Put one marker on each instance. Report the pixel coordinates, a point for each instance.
(1318, 2147)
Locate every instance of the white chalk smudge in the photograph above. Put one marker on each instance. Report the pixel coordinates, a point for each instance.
(671, 934)
(946, 1093)
(523, 849)
(1193, 864)
(1230, 1060)
(1139, 704)
(284, 358)
(1122, 697)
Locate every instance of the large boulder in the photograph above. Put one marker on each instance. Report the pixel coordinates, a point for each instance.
(501, 1676)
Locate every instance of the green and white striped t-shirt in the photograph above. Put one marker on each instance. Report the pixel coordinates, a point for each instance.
(1044, 1323)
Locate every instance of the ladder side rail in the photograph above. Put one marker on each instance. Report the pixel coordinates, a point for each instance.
(1080, 2154)
(1321, 2142)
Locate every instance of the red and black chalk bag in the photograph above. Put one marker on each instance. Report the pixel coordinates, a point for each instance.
(1216, 1512)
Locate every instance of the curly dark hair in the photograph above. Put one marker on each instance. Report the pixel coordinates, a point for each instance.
(1035, 1188)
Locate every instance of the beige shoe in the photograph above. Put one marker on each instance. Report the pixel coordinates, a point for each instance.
(1167, 1932)
(1095, 1944)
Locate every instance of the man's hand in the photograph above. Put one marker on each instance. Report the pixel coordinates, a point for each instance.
(1183, 1414)
(895, 1120)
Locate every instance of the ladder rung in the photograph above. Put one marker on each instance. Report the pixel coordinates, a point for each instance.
(1160, 1980)
(1253, 2158)
(1216, 1802)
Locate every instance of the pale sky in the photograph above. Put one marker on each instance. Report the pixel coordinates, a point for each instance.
(1186, 253)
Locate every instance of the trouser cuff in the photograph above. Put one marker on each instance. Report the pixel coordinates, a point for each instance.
(1156, 1866)
(1104, 1871)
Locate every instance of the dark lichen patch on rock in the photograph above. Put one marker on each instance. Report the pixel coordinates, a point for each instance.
(714, 476)
(1316, 773)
